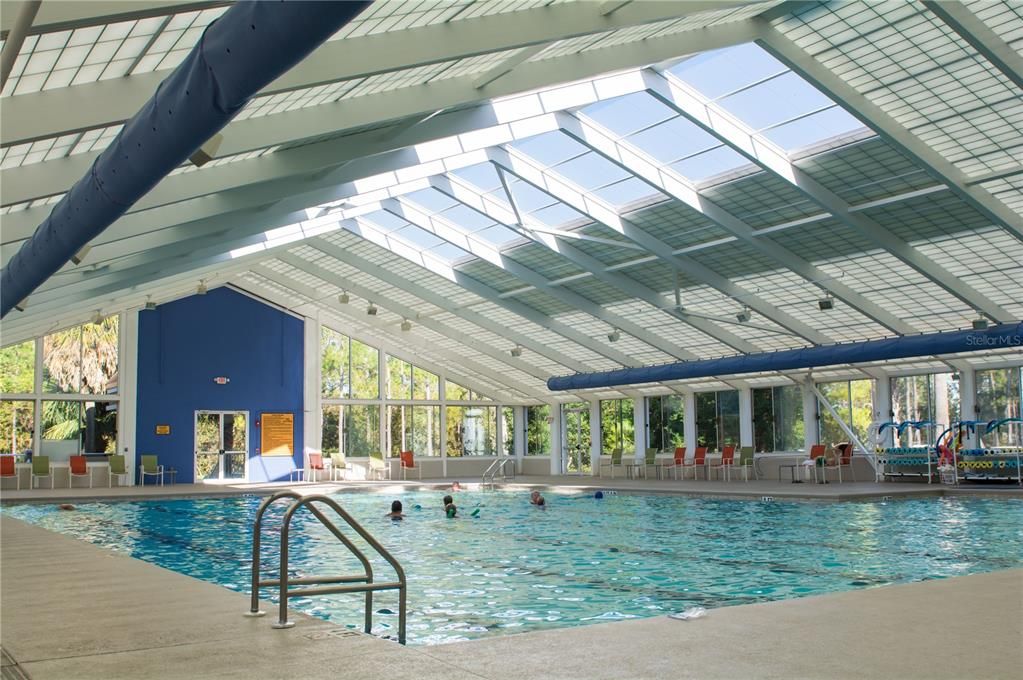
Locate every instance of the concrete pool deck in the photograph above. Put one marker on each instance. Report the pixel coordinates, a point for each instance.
(73, 610)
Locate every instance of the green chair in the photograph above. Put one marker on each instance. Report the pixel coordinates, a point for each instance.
(615, 461)
(119, 469)
(338, 468)
(650, 460)
(150, 468)
(41, 468)
(378, 467)
(746, 462)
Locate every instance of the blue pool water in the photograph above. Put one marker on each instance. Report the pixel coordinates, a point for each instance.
(516, 568)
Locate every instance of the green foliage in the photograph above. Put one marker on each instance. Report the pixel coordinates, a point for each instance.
(538, 430)
(17, 368)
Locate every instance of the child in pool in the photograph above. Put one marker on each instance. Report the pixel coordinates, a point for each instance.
(450, 509)
(395, 512)
(535, 498)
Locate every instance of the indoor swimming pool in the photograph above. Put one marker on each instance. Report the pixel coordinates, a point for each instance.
(515, 568)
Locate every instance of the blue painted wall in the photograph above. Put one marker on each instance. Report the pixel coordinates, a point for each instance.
(185, 344)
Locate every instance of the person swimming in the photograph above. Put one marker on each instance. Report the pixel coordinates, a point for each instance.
(395, 512)
(450, 509)
(455, 486)
(535, 498)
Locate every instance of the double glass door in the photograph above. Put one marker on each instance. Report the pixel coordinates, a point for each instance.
(221, 445)
(577, 439)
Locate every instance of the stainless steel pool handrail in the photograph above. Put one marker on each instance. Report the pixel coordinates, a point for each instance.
(363, 582)
(490, 474)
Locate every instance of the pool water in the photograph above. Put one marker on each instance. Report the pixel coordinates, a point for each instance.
(515, 568)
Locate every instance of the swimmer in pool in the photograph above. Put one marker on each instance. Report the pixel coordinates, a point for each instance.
(536, 499)
(450, 509)
(395, 512)
(455, 486)
(66, 506)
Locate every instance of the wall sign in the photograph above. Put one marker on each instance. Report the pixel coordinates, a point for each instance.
(221, 380)
(277, 434)
(163, 429)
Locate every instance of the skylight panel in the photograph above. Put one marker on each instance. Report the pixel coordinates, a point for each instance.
(556, 215)
(591, 171)
(432, 200)
(672, 140)
(628, 114)
(419, 237)
(448, 252)
(550, 148)
(625, 192)
(483, 176)
(497, 236)
(807, 131)
(386, 221)
(710, 163)
(718, 72)
(775, 101)
(466, 218)
(527, 197)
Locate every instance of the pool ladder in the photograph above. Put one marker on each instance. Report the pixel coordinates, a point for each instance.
(354, 583)
(498, 466)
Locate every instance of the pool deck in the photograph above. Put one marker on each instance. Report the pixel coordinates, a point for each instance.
(74, 610)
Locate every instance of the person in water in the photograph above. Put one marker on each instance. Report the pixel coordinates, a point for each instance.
(450, 509)
(455, 486)
(395, 512)
(535, 498)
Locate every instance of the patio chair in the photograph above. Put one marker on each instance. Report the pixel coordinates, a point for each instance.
(78, 467)
(378, 467)
(746, 462)
(8, 469)
(699, 461)
(408, 462)
(650, 460)
(676, 463)
(727, 460)
(338, 468)
(150, 468)
(119, 469)
(615, 461)
(316, 465)
(41, 468)
(841, 458)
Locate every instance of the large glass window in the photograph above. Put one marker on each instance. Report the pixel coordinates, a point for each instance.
(508, 430)
(471, 431)
(933, 398)
(414, 428)
(17, 368)
(538, 430)
(330, 430)
(999, 397)
(399, 379)
(17, 423)
(666, 420)
(455, 392)
(617, 425)
(425, 385)
(778, 418)
(361, 434)
(853, 401)
(82, 359)
(73, 427)
(717, 419)
(365, 371)
(335, 364)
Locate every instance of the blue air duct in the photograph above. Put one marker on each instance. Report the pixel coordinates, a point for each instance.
(246, 49)
(1005, 335)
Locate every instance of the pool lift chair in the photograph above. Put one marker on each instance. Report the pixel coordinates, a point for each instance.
(365, 582)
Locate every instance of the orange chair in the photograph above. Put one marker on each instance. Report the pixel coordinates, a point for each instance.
(8, 469)
(316, 465)
(408, 462)
(727, 459)
(842, 459)
(817, 451)
(678, 462)
(699, 461)
(78, 467)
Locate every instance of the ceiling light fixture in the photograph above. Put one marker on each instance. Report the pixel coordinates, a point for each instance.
(79, 257)
(744, 315)
(614, 336)
(201, 289)
(516, 351)
(980, 323)
(344, 298)
(406, 325)
(150, 305)
(21, 305)
(371, 309)
(825, 303)
(97, 318)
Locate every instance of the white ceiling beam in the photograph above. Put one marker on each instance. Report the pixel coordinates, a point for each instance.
(503, 214)
(423, 292)
(709, 116)
(979, 35)
(631, 158)
(874, 117)
(381, 339)
(325, 275)
(546, 180)
(108, 102)
(440, 227)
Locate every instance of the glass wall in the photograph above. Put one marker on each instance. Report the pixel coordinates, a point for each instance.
(998, 397)
(666, 422)
(853, 401)
(455, 392)
(82, 360)
(933, 398)
(17, 424)
(538, 430)
(717, 419)
(348, 368)
(508, 430)
(471, 431)
(617, 425)
(415, 429)
(778, 419)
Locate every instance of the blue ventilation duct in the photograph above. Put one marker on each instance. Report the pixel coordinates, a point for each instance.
(246, 49)
(1006, 335)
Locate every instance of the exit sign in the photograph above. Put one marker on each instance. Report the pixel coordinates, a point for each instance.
(221, 380)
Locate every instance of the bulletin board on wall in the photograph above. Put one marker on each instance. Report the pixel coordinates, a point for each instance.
(277, 434)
